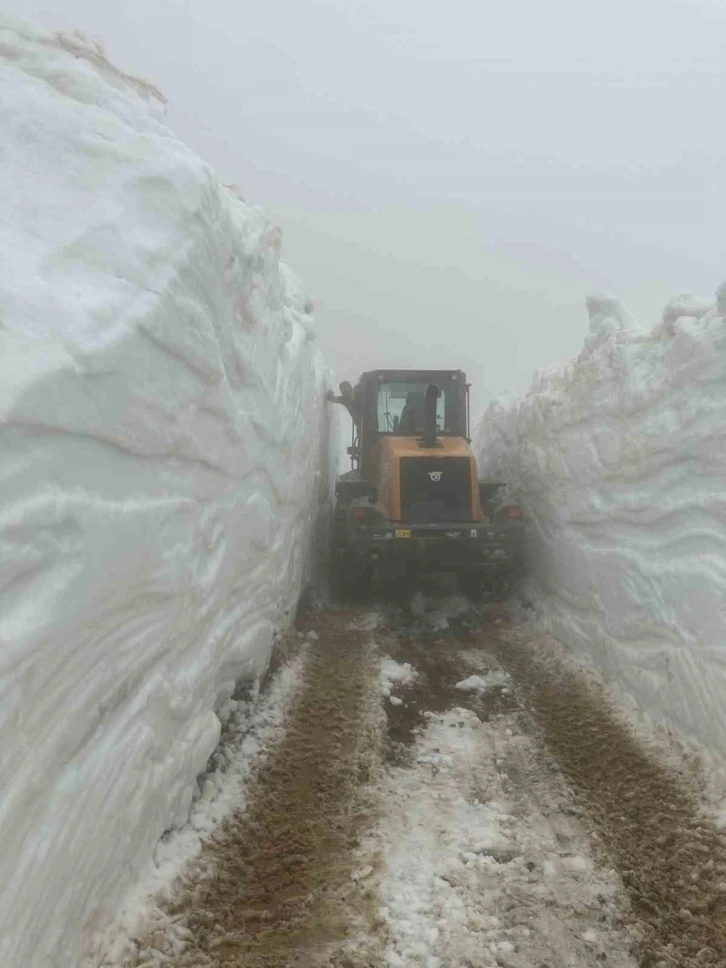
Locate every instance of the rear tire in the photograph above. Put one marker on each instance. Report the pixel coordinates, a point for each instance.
(350, 581)
(471, 584)
(505, 587)
(493, 588)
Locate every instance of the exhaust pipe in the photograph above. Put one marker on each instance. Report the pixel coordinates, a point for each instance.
(429, 435)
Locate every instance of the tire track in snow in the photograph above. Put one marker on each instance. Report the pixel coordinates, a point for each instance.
(486, 861)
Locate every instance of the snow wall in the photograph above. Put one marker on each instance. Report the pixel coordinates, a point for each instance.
(619, 461)
(164, 459)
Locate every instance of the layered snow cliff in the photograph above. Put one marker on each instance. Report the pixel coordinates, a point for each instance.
(162, 435)
(620, 460)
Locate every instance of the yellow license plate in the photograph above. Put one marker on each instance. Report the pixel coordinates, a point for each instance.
(403, 532)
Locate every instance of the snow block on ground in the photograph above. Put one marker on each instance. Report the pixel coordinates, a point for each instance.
(619, 460)
(163, 466)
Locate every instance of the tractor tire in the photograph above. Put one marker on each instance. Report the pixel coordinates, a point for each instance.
(498, 588)
(493, 588)
(471, 584)
(502, 587)
(350, 582)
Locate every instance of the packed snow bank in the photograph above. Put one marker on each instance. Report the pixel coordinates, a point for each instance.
(619, 460)
(164, 461)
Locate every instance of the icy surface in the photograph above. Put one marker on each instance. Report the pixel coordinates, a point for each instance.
(161, 473)
(619, 462)
(477, 868)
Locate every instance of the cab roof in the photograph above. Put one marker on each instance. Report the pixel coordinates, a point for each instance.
(413, 376)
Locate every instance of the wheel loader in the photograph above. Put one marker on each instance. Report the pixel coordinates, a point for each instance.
(412, 501)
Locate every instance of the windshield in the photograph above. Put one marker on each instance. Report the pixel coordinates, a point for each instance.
(401, 409)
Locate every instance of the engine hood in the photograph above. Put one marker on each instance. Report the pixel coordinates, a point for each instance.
(386, 460)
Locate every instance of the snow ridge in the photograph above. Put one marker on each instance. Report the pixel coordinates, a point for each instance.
(619, 461)
(163, 441)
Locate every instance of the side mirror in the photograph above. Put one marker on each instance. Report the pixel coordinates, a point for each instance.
(396, 423)
(354, 452)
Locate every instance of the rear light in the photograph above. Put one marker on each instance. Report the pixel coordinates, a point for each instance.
(515, 514)
(365, 514)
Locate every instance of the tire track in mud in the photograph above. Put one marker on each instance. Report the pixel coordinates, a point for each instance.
(281, 889)
(672, 858)
(281, 886)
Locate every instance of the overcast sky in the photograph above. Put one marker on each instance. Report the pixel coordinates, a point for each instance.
(452, 178)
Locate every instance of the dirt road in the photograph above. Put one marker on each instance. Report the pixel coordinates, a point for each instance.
(449, 793)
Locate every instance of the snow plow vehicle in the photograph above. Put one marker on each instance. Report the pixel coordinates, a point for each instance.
(412, 501)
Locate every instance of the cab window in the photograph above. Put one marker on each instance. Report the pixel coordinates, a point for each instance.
(401, 409)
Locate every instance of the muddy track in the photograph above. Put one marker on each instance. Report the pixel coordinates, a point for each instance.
(671, 858)
(281, 891)
(280, 884)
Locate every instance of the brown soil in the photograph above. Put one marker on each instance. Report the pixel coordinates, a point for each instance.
(439, 667)
(281, 892)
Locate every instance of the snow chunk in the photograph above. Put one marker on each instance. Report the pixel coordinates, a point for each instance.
(684, 304)
(608, 317)
(577, 864)
(395, 674)
(491, 680)
(366, 623)
(435, 611)
(362, 874)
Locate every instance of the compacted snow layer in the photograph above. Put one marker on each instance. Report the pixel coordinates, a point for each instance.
(486, 869)
(162, 471)
(619, 462)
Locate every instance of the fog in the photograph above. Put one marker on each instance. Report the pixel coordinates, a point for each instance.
(451, 179)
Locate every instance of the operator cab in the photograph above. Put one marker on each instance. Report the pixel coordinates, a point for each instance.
(392, 403)
(401, 399)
